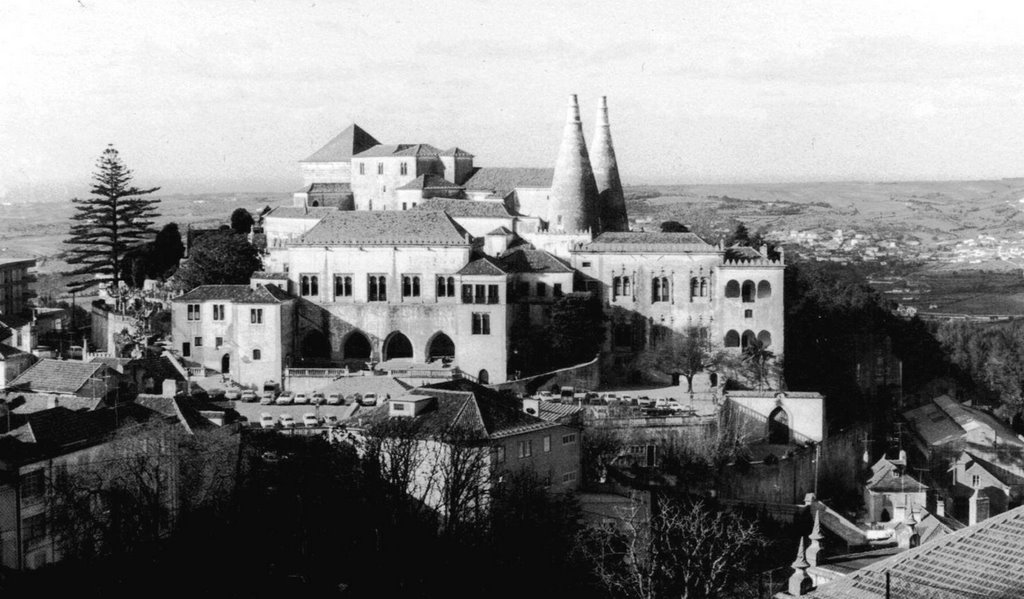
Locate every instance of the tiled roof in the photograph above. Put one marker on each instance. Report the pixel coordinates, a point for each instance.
(27, 402)
(189, 417)
(412, 227)
(980, 561)
(1001, 474)
(58, 376)
(457, 152)
(649, 242)
(300, 212)
(524, 259)
(457, 208)
(944, 420)
(742, 252)
(241, 294)
(419, 150)
(430, 181)
(7, 351)
(552, 411)
(399, 150)
(891, 477)
(282, 276)
(503, 180)
(346, 144)
(330, 188)
(19, 262)
(501, 231)
(484, 265)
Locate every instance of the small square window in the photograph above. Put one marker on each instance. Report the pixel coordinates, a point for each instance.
(198, 342)
(748, 314)
(218, 342)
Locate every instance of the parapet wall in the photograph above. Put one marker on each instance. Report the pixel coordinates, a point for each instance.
(582, 376)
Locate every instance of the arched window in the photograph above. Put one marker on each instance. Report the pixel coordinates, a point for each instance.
(483, 378)
(659, 289)
(256, 354)
(415, 286)
(377, 290)
(747, 338)
(748, 291)
(694, 287)
(371, 287)
(732, 289)
(303, 285)
(732, 339)
(616, 287)
(778, 427)
(765, 338)
(314, 286)
(703, 286)
(406, 286)
(764, 290)
(625, 286)
(451, 286)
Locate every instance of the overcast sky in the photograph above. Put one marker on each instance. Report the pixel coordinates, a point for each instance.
(228, 95)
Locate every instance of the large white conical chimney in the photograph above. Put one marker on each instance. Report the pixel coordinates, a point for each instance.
(574, 204)
(611, 200)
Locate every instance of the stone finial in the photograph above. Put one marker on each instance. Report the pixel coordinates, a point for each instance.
(814, 550)
(799, 582)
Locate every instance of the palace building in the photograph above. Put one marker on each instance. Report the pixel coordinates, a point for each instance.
(407, 254)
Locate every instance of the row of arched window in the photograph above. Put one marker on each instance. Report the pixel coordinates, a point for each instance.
(735, 339)
(748, 291)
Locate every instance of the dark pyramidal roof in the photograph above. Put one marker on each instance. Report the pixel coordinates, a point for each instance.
(344, 146)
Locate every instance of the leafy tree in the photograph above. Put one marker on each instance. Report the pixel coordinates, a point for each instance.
(673, 226)
(106, 226)
(758, 359)
(155, 260)
(688, 353)
(219, 258)
(241, 221)
(741, 236)
(577, 328)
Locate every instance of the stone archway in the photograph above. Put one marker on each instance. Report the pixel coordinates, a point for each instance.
(778, 427)
(315, 346)
(225, 364)
(356, 347)
(397, 346)
(440, 346)
(483, 377)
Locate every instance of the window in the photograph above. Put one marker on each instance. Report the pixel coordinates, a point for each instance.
(547, 443)
(342, 286)
(732, 339)
(309, 286)
(659, 289)
(492, 294)
(380, 168)
(542, 289)
(186, 349)
(748, 291)
(748, 314)
(557, 290)
(398, 406)
(411, 286)
(621, 287)
(569, 477)
(467, 294)
(569, 439)
(525, 449)
(481, 324)
(193, 312)
(256, 355)
(362, 168)
(405, 171)
(479, 292)
(377, 288)
(975, 481)
(586, 265)
(256, 316)
(732, 289)
(197, 342)
(33, 485)
(34, 528)
(404, 206)
(523, 289)
(218, 311)
(218, 341)
(500, 454)
(698, 287)
(445, 286)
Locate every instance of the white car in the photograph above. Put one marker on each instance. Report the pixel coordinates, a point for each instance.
(370, 399)
(331, 420)
(334, 399)
(232, 393)
(301, 398)
(285, 399)
(310, 419)
(266, 420)
(669, 404)
(287, 421)
(249, 396)
(546, 396)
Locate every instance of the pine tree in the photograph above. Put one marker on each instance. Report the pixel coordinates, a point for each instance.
(109, 224)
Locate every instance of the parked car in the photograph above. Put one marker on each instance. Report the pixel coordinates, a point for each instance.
(369, 399)
(287, 421)
(266, 420)
(301, 398)
(318, 399)
(546, 395)
(232, 393)
(310, 419)
(334, 399)
(331, 420)
(285, 399)
(669, 404)
(610, 398)
(267, 396)
(580, 395)
(645, 402)
(249, 396)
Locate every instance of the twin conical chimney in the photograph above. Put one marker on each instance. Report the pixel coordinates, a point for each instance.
(574, 201)
(611, 201)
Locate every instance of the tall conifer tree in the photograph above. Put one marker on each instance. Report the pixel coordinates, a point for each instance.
(107, 225)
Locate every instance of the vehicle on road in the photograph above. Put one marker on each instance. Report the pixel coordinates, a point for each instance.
(266, 420)
(369, 399)
(232, 393)
(334, 399)
(285, 399)
(249, 396)
(309, 419)
(645, 402)
(301, 399)
(546, 396)
(669, 404)
(287, 421)
(267, 396)
(271, 387)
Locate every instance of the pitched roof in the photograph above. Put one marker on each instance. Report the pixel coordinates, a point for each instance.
(346, 144)
(890, 476)
(430, 181)
(457, 152)
(501, 231)
(503, 180)
(418, 150)
(984, 560)
(262, 274)
(552, 411)
(241, 294)
(7, 351)
(944, 420)
(630, 242)
(742, 252)
(28, 402)
(313, 213)
(58, 376)
(322, 188)
(187, 416)
(524, 259)
(411, 227)
(1001, 474)
(485, 265)
(459, 208)
(399, 150)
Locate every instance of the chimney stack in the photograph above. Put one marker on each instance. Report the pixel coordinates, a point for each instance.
(611, 201)
(574, 204)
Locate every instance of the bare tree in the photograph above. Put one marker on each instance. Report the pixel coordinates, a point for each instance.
(686, 551)
(687, 353)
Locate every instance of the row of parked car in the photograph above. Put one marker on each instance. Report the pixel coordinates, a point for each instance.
(309, 420)
(268, 398)
(589, 398)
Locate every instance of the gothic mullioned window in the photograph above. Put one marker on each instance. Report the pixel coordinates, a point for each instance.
(411, 286)
(445, 286)
(377, 288)
(309, 286)
(659, 289)
(620, 287)
(342, 286)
